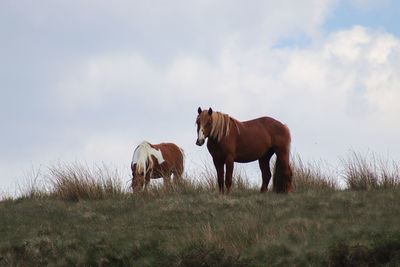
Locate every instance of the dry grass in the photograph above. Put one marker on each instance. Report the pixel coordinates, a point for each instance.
(204, 181)
(365, 172)
(34, 186)
(76, 182)
(73, 182)
(310, 176)
(232, 236)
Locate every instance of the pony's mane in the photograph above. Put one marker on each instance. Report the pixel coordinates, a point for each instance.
(142, 156)
(221, 124)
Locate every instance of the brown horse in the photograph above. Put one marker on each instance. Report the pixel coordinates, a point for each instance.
(232, 141)
(156, 161)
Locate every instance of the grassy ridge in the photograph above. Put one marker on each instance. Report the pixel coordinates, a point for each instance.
(195, 228)
(87, 217)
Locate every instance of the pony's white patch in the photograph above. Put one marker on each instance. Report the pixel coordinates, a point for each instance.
(142, 156)
(158, 155)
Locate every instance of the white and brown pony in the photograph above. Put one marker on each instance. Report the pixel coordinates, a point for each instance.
(156, 161)
(232, 141)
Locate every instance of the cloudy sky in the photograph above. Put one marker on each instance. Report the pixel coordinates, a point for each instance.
(88, 80)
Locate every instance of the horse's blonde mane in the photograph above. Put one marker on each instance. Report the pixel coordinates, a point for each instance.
(141, 156)
(221, 123)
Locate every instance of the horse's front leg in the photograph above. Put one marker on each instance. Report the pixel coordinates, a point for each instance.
(219, 166)
(147, 180)
(167, 179)
(228, 175)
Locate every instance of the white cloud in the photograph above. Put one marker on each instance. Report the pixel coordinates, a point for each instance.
(383, 93)
(347, 46)
(184, 29)
(95, 79)
(357, 62)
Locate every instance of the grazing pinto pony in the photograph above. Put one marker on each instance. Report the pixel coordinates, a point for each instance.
(232, 141)
(156, 161)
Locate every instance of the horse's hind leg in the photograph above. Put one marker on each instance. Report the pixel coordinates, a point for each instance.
(178, 172)
(265, 170)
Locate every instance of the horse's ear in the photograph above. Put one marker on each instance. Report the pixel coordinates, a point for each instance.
(199, 110)
(210, 111)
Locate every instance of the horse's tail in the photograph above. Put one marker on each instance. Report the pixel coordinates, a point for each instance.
(282, 178)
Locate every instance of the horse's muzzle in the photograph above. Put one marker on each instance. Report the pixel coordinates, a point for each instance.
(200, 142)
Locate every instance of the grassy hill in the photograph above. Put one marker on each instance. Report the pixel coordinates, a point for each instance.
(81, 221)
(205, 229)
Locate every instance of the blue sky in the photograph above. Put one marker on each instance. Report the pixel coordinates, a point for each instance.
(88, 80)
(373, 14)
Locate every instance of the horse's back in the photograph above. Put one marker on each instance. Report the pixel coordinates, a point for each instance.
(275, 130)
(172, 154)
(169, 148)
(256, 137)
(271, 125)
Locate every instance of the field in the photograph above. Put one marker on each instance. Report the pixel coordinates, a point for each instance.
(86, 217)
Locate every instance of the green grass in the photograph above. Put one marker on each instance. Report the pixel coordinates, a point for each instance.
(205, 229)
(81, 216)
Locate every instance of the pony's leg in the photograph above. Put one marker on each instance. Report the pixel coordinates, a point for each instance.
(146, 181)
(167, 179)
(283, 173)
(177, 176)
(220, 174)
(228, 175)
(178, 173)
(265, 170)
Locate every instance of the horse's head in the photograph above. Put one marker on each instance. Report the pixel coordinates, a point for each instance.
(137, 177)
(204, 125)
